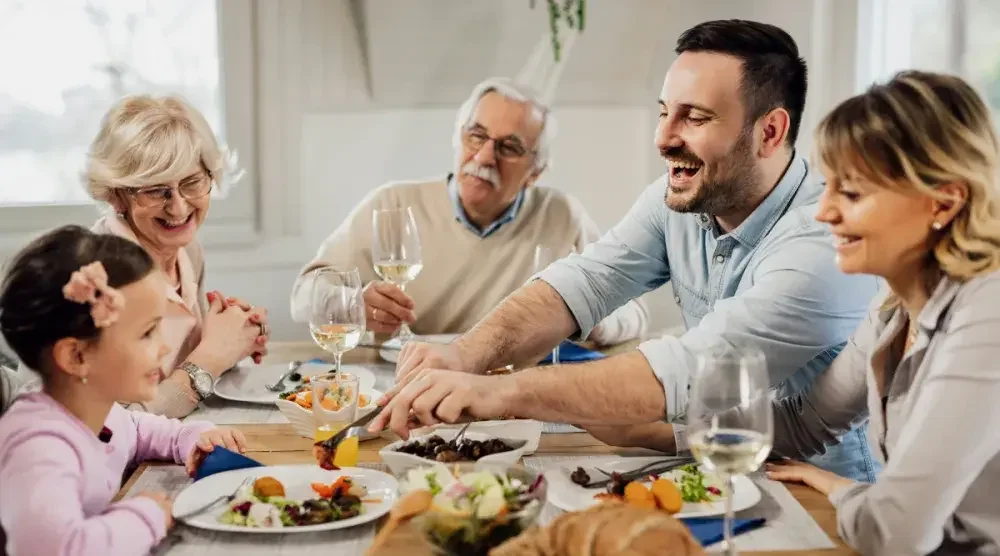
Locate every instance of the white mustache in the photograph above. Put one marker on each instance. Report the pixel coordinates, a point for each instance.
(488, 173)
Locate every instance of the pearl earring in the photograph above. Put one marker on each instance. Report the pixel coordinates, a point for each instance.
(83, 380)
(936, 225)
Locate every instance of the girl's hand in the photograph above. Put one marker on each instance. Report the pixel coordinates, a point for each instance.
(797, 471)
(230, 439)
(165, 504)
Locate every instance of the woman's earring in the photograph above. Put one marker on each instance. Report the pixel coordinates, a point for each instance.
(83, 380)
(936, 225)
(121, 215)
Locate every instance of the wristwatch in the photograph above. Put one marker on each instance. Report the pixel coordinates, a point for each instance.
(201, 380)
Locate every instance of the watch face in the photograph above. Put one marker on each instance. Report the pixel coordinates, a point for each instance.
(203, 383)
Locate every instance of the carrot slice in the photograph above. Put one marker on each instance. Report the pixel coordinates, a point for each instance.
(324, 491)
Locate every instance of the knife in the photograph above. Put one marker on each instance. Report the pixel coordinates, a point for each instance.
(348, 431)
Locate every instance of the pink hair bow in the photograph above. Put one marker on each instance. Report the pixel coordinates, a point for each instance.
(90, 285)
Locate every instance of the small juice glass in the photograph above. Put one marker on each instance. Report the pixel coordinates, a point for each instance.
(335, 405)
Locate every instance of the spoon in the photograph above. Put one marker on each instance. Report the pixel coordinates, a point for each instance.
(416, 502)
(280, 385)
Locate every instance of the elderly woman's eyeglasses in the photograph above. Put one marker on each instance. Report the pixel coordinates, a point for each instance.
(190, 188)
(507, 148)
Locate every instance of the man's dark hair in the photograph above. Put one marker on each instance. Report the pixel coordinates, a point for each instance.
(774, 75)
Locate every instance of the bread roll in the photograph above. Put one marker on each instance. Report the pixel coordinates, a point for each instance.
(607, 529)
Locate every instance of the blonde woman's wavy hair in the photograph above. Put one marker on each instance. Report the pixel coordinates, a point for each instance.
(146, 141)
(916, 132)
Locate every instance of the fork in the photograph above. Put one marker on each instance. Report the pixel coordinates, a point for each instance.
(224, 498)
(655, 467)
(280, 385)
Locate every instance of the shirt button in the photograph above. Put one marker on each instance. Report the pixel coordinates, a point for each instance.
(677, 299)
(719, 258)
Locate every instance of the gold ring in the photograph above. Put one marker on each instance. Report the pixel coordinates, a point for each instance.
(263, 329)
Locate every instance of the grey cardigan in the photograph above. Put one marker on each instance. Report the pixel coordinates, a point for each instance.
(935, 423)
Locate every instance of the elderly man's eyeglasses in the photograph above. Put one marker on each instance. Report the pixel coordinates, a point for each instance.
(507, 148)
(190, 188)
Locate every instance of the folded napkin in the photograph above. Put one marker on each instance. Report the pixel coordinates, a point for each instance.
(220, 459)
(570, 352)
(708, 530)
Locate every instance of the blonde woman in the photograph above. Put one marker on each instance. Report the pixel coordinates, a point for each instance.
(155, 161)
(912, 195)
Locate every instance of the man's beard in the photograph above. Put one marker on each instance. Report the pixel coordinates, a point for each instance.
(726, 186)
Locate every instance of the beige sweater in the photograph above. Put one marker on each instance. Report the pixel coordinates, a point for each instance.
(465, 276)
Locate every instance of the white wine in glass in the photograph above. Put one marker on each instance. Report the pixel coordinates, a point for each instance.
(396, 252)
(729, 419)
(337, 311)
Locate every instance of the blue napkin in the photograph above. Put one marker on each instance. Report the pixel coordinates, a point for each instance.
(570, 353)
(708, 530)
(221, 459)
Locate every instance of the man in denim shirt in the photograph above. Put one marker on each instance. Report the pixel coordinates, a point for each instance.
(730, 226)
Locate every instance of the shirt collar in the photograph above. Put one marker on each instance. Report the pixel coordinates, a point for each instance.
(185, 268)
(508, 216)
(763, 218)
(930, 316)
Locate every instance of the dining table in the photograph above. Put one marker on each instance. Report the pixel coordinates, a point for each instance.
(800, 520)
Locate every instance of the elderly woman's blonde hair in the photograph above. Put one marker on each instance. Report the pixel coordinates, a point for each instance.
(916, 132)
(147, 141)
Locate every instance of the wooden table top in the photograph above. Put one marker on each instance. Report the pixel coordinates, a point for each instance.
(273, 444)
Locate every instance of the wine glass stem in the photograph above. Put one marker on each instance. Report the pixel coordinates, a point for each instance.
(404, 332)
(336, 360)
(727, 524)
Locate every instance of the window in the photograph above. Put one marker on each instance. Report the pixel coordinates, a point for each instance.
(80, 62)
(952, 36)
(76, 58)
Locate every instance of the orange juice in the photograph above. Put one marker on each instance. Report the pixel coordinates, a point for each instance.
(347, 451)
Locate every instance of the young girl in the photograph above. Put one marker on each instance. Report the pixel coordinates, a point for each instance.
(84, 310)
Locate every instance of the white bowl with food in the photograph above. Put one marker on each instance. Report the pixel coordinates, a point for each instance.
(404, 455)
(298, 410)
(528, 430)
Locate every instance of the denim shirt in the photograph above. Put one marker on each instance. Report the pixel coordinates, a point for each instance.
(506, 217)
(772, 282)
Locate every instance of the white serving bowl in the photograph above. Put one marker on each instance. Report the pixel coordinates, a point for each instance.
(528, 430)
(304, 423)
(399, 463)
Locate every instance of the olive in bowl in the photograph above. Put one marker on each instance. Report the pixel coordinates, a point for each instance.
(439, 448)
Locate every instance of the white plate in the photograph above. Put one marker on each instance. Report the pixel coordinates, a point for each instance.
(566, 495)
(247, 382)
(296, 479)
(391, 355)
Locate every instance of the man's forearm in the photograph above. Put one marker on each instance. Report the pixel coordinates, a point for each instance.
(526, 325)
(620, 390)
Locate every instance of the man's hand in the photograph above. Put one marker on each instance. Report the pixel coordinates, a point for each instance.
(417, 357)
(446, 396)
(386, 307)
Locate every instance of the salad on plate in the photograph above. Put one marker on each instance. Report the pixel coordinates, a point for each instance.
(263, 504)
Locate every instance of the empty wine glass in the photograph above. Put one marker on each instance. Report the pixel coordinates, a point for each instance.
(544, 256)
(730, 424)
(396, 251)
(337, 311)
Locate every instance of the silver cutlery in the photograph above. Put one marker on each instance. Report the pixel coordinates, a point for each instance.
(650, 469)
(224, 498)
(280, 385)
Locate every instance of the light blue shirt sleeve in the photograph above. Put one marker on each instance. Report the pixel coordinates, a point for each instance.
(797, 305)
(626, 262)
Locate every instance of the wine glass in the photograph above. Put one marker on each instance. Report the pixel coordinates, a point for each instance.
(729, 418)
(337, 311)
(396, 251)
(544, 256)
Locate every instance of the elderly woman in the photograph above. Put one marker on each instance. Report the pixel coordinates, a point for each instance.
(912, 195)
(154, 161)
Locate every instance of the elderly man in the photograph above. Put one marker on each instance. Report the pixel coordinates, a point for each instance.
(478, 227)
(731, 227)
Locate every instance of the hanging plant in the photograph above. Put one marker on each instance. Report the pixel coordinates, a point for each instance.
(571, 12)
